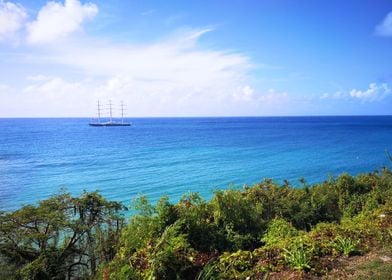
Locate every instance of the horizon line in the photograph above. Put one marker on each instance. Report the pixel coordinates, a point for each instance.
(200, 117)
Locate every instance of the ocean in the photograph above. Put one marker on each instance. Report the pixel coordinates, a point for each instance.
(174, 156)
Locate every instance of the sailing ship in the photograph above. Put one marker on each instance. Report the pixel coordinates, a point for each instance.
(111, 122)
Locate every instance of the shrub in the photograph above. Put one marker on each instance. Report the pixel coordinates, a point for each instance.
(278, 232)
(236, 265)
(197, 220)
(321, 237)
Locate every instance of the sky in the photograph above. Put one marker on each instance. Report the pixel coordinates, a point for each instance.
(196, 58)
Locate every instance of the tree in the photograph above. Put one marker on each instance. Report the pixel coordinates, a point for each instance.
(61, 237)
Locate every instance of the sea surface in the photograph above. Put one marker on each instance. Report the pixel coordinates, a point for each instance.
(173, 156)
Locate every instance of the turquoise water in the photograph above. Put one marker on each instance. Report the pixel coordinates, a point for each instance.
(172, 156)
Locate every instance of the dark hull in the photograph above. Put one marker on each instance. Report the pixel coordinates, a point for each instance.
(109, 124)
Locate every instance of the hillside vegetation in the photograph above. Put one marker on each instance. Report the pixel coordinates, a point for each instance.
(265, 231)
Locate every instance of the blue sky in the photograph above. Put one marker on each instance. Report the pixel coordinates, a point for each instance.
(196, 58)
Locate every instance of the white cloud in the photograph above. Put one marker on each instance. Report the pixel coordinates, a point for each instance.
(385, 27)
(56, 20)
(54, 87)
(246, 93)
(54, 96)
(49, 96)
(12, 18)
(173, 76)
(174, 64)
(373, 93)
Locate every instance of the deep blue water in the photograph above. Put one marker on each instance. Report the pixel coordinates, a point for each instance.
(172, 156)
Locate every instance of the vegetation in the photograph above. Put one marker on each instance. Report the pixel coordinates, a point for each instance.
(257, 232)
(345, 245)
(62, 237)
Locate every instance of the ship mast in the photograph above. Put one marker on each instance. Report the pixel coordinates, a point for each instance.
(122, 111)
(99, 111)
(110, 110)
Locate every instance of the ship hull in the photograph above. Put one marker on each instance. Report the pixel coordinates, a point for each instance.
(109, 124)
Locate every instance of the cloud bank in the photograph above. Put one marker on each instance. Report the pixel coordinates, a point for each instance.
(171, 76)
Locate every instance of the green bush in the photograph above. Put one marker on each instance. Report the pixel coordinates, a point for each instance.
(278, 233)
(236, 265)
(321, 236)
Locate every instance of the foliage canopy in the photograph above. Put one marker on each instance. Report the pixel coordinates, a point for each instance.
(237, 234)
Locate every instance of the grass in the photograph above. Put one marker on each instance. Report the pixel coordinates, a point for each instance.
(374, 269)
(375, 265)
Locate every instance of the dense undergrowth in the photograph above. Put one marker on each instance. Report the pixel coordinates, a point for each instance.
(251, 233)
